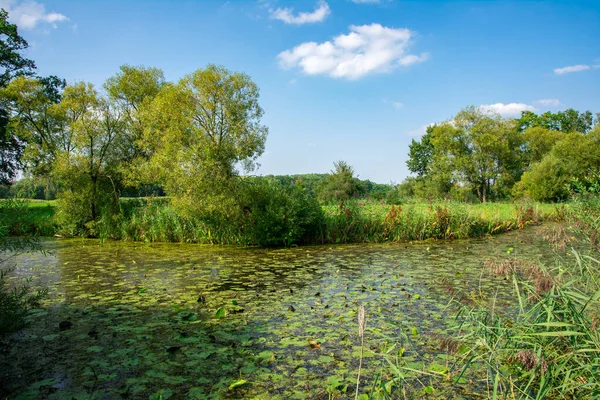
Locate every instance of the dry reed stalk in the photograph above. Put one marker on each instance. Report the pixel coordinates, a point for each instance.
(361, 332)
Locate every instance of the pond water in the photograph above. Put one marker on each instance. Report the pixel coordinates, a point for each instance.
(130, 320)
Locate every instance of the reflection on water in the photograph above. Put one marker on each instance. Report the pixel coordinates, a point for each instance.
(192, 319)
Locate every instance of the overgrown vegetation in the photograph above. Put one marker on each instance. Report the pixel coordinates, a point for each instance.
(479, 155)
(16, 300)
(547, 345)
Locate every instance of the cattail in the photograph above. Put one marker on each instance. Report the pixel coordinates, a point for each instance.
(362, 322)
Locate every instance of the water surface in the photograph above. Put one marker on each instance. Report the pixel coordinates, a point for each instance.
(193, 321)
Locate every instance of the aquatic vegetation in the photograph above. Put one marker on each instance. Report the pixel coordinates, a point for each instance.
(190, 320)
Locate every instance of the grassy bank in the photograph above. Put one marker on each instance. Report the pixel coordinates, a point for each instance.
(155, 220)
(546, 345)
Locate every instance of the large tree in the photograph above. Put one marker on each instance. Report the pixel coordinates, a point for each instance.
(12, 64)
(36, 118)
(132, 90)
(476, 147)
(566, 121)
(199, 132)
(88, 171)
(420, 155)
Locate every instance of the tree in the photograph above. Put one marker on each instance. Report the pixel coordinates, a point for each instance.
(539, 142)
(571, 158)
(12, 64)
(566, 121)
(36, 118)
(546, 180)
(199, 132)
(420, 155)
(341, 184)
(476, 148)
(88, 171)
(132, 90)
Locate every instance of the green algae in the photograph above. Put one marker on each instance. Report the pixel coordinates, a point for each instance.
(175, 320)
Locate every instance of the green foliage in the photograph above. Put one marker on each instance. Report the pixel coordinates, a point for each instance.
(15, 301)
(570, 160)
(275, 215)
(563, 121)
(546, 181)
(478, 152)
(199, 130)
(38, 188)
(420, 155)
(476, 149)
(340, 185)
(13, 64)
(15, 304)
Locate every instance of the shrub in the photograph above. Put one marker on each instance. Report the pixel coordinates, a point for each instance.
(272, 214)
(547, 180)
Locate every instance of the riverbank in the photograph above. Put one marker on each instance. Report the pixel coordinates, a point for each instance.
(155, 220)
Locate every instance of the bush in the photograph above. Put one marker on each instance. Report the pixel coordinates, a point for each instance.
(274, 215)
(547, 180)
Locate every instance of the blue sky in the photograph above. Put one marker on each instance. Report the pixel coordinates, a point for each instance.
(342, 79)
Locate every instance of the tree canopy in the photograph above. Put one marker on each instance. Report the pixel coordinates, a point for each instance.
(494, 157)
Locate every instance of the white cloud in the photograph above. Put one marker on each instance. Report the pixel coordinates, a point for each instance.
(287, 14)
(552, 103)
(29, 14)
(571, 68)
(506, 110)
(420, 131)
(366, 49)
(398, 105)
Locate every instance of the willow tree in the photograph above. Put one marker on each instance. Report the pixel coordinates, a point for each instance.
(36, 118)
(201, 132)
(132, 90)
(88, 172)
(76, 138)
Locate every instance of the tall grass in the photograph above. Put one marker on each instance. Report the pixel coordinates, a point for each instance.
(548, 345)
(156, 220)
(360, 222)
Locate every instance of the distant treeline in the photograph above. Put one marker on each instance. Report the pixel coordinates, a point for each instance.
(480, 156)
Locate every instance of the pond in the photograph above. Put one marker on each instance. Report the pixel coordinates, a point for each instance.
(133, 320)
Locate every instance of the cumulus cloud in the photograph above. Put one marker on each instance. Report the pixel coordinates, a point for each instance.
(420, 131)
(571, 68)
(29, 14)
(366, 49)
(507, 110)
(552, 103)
(286, 15)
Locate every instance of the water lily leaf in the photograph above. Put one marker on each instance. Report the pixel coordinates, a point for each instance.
(162, 394)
